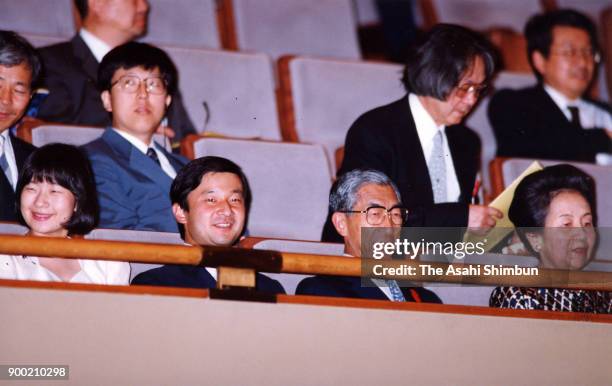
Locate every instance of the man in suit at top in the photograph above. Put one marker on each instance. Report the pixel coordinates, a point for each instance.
(19, 69)
(360, 199)
(552, 119)
(210, 201)
(71, 67)
(419, 142)
(133, 173)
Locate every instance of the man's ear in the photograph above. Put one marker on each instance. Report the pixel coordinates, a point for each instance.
(168, 100)
(535, 240)
(179, 214)
(340, 223)
(539, 61)
(106, 101)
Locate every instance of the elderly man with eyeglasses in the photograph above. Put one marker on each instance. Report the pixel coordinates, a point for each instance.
(133, 173)
(364, 199)
(553, 119)
(419, 141)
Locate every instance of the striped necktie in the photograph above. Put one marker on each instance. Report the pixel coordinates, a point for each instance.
(153, 155)
(437, 169)
(396, 292)
(4, 162)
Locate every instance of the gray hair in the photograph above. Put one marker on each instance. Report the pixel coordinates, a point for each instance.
(15, 50)
(344, 192)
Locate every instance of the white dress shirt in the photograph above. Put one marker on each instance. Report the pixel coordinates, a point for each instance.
(92, 271)
(143, 147)
(97, 47)
(591, 115)
(427, 129)
(6, 148)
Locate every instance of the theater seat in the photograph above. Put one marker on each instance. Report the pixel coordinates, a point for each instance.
(283, 27)
(39, 17)
(136, 236)
(71, 134)
(481, 15)
(291, 281)
(228, 93)
(290, 184)
(187, 23)
(510, 168)
(323, 97)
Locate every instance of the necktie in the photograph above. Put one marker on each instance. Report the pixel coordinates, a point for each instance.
(396, 292)
(437, 169)
(153, 155)
(575, 116)
(4, 162)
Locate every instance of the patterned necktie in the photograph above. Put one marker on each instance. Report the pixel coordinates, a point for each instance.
(396, 292)
(153, 155)
(4, 162)
(575, 116)
(437, 169)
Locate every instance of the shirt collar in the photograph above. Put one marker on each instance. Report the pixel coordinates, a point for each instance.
(561, 100)
(138, 144)
(96, 45)
(425, 124)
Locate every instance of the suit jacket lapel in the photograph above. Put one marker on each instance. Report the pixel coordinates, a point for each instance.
(136, 160)
(83, 54)
(416, 165)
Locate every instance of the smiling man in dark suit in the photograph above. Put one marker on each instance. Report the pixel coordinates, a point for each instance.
(133, 173)
(19, 69)
(71, 68)
(552, 119)
(419, 142)
(210, 201)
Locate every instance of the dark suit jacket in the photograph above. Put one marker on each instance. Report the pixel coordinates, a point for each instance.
(7, 195)
(133, 190)
(70, 74)
(386, 139)
(527, 123)
(350, 287)
(196, 277)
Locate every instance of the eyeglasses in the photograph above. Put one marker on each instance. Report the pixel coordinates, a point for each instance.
(131, 83)
(465, 89)
(574, 53)
(375, 215)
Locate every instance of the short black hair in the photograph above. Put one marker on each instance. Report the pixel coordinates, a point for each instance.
(15, 50)
(539, 31)
(68, 167)
(536, 191)
(81, 7)
(134, 54)
(436, 63)
(191, 175)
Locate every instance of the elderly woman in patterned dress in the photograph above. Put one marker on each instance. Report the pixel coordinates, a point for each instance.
(554, 212)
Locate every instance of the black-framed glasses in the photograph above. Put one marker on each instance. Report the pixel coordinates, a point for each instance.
(131, 83)
(375, 215)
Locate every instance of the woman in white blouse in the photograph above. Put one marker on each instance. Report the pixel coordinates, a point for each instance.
(57, 198)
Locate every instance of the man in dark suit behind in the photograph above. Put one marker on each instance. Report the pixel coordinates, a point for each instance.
(71, 67)
(19, 69)
(552, 120)
(419, 142)
(364, 199)
(210, 202)
(133, 173)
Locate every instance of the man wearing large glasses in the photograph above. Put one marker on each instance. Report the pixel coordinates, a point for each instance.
(133, 173)
(364, 199)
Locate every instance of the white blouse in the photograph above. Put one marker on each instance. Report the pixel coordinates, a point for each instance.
(92, 271)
